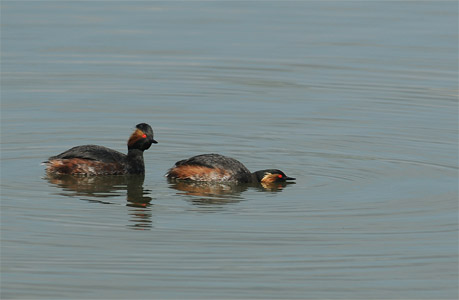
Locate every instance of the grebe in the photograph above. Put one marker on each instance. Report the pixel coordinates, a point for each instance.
(98, 160)
(216, 167)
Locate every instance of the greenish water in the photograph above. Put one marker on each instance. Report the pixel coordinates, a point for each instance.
(357, 100)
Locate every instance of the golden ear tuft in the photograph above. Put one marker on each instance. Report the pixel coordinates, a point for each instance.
(135, 136)
(269, 178)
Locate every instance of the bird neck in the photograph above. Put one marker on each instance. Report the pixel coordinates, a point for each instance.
(134, 161)
(256, 176)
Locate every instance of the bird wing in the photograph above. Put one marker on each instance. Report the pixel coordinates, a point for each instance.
(91, 152)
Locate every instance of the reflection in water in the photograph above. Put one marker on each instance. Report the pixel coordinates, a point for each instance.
(209, 192)
(220, 192)
(100, 188)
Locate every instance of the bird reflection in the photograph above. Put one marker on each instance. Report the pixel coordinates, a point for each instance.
(208, 192)
(220, 192)
(101, 189)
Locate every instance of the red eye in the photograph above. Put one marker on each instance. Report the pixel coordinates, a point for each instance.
(280, 176)
(144, 136)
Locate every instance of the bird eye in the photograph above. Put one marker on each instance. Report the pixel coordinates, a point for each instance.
(144, 136)
(280, 176)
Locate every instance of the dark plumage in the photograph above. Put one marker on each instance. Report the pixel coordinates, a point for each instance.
(216, 167)
(99, 160)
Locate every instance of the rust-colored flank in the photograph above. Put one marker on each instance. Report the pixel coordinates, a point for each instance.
(80, 166)
(199, 173)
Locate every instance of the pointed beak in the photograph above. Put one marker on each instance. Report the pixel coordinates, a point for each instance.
(290, 178)
(153, 141)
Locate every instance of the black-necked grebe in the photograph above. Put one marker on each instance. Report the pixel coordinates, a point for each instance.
(99, 160)
(216, 167)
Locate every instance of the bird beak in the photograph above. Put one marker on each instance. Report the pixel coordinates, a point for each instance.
(153, 141)
(290, 178)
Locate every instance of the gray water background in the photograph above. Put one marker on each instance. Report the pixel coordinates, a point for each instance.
(356, 99)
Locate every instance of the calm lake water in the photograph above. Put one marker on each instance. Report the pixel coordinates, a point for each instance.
(357, 100)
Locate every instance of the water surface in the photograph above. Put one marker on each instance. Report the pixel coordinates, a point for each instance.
(357, 100)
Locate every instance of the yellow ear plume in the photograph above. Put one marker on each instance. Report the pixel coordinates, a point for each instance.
(135, 136)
